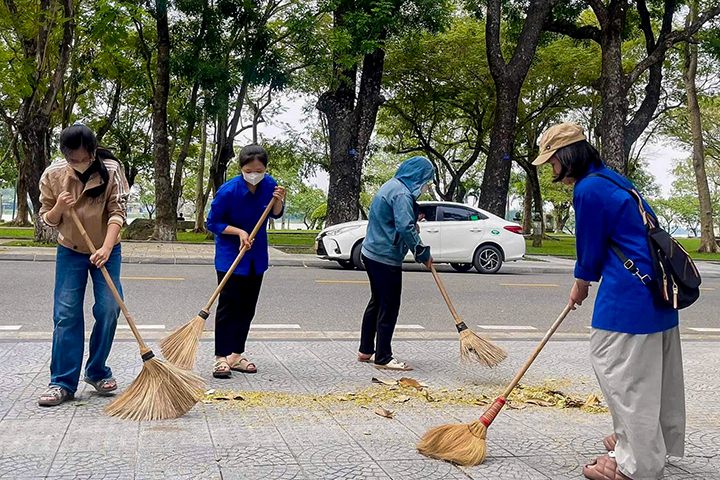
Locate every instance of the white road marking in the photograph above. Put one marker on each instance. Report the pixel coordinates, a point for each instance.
(507, 327)
(411, 327)
(705, 330)
(10, 327)
(274, 326)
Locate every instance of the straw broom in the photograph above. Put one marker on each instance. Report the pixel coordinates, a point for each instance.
(464, 444)
(162, 390)
(180, 347)
(473, 347)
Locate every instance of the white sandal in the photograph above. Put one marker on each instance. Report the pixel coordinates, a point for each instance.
(394, 365)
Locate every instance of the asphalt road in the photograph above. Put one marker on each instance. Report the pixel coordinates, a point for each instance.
(326, 299)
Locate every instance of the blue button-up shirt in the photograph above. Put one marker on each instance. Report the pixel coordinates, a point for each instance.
(236, 205)
(603, 211)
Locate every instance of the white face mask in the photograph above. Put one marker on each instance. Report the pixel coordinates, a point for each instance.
(253, 178)
(425, 189)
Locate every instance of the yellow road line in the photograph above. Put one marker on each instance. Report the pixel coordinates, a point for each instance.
(528, 285)
(363, 282)
(153, 278)
(707, 289)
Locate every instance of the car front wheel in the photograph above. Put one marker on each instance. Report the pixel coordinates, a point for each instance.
(488, 259)
(357, 257)
(462, 267)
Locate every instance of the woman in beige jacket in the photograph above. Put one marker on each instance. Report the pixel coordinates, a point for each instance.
(91, 181)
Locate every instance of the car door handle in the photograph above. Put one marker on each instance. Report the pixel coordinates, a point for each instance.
(476, 230)
(432, 230)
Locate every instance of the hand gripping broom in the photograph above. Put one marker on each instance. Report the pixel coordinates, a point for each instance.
(181, 346)
(162, 390)
(473, 348)
(464, 444)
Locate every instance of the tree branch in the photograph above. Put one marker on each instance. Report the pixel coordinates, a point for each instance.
(110, 119)
(63, 57)
(586, 32)
(146, 53)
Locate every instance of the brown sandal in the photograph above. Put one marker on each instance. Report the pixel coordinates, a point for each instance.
(221, 369)
(604, 468)
(610, 442)
(242, 366)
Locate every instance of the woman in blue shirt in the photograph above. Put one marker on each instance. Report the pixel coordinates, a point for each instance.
(635, 343)
(236, 209)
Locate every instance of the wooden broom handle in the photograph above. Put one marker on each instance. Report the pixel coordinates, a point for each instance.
(445, 295)
(532, 358)
(239, 257)
(143, 346)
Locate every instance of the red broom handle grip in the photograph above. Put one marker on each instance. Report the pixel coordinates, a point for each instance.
(239, 257)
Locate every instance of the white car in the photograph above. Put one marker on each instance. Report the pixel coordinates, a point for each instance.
(458, 234)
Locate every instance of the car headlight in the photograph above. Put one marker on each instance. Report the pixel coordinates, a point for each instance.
(341, 230)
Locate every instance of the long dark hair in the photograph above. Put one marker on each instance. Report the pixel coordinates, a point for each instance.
(576, 159)
(80, 136)
(253, 152)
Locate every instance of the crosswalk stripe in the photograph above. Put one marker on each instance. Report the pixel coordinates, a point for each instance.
(275, 326)
(705, 330)
(153, 278)
(411, 327)
(506, 327)
(10, 327)
(528, 285)
(142, 327)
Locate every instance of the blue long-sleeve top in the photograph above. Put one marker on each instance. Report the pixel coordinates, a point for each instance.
(237, 206)
(604, 211)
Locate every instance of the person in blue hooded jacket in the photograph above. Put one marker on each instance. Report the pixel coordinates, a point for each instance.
(635, 342)
(391, 232)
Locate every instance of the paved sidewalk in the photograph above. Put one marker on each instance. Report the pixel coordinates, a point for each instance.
(292, 431)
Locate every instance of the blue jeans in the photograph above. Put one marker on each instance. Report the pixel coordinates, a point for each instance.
(71, 273)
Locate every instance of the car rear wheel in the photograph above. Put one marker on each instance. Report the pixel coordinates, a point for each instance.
(462, 267)
(346, 264)
(357, 256)
(488, 259)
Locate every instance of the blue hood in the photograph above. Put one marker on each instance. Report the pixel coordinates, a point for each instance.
(414, 173)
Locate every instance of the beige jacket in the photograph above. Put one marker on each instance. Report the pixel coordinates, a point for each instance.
(94, 213)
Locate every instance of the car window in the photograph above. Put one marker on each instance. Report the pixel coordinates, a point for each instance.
(427, 213)
(460, 214)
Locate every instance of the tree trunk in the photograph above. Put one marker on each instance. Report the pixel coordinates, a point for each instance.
(496, 178)
(615, 99)
(166, 216)
(200, 198)
(36, 157)
(708, 243)
(527, 206)
(22, 218)
(351, 120)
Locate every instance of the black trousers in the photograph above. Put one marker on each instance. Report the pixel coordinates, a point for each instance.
(382, 311)
(236, 309)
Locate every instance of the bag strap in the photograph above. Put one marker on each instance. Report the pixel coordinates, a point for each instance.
(647, 217)
(630, 265)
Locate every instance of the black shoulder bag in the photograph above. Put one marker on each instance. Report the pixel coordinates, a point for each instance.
(675, 280)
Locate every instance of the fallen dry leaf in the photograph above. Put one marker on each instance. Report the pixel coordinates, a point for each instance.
(81, 404)
(539, 403)
(382, 381)
(430, 399)
(406, 382)
(221, 398)
(210, 392)
(384, 412)
(238, 397)
(592, 401)
(401, 399)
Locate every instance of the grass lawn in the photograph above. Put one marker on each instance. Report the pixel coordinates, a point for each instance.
(28, 243)
(17, 232)
(565, 246)
(301, 238)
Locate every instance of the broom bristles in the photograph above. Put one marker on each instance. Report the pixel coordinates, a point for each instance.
(475, 349)
(180, 347)
(461, 444)
(160, 392)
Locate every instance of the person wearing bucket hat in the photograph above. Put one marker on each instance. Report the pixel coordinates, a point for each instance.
(635, 343)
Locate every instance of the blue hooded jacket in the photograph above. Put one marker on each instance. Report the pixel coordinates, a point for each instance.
(393, 215)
